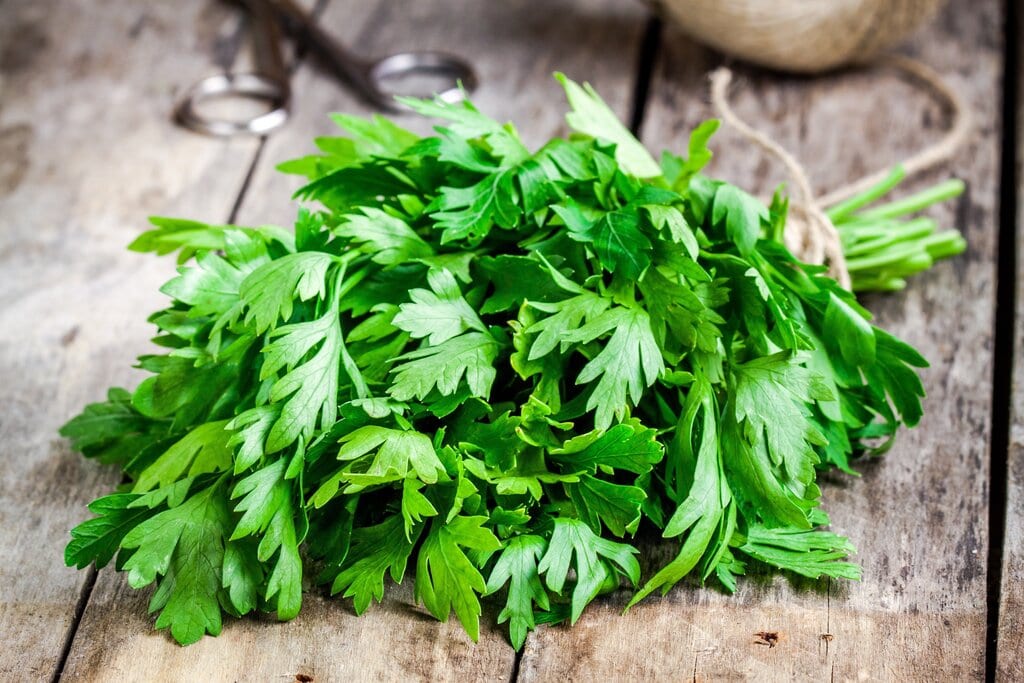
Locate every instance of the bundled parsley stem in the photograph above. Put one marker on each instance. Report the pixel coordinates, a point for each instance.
(490, 368)
(881, 250)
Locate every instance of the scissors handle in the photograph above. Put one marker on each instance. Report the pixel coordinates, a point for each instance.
(458, 76)
(252, 86)
(267, 83)
(370, 77)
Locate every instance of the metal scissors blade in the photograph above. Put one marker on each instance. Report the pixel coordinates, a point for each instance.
(269, 81)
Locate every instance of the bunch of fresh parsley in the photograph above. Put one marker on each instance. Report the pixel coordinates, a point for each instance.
(494, 365)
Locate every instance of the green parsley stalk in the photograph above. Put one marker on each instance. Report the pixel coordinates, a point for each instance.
(882, 247)
(492, 368)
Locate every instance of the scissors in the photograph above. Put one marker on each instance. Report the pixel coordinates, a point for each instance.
(269, 81)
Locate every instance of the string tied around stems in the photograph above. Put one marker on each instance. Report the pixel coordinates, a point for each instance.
(809, 233)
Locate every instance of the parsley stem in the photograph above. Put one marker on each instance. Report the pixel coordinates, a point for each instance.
(349, 284)
(909, 258)
(715, 256)
(888, 257)
(916, 202)
(880, 284)
(846, 208)
(863, 230)
(911, 230)
(945, 244)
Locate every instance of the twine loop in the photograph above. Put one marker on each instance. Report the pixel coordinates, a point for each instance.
(809, 234)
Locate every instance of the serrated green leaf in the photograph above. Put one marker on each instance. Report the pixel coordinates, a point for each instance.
(630, 361)
(446, 578)
(574, 544)
(468, 357)
(270, 291)
(517, 566)
(627, 447)
(387, 239)
(850, 332)
(204, 449)
(375, 550)
(437, 314)
(97, 540)
(396, 454)
(184, 547)
(620, 244)
(742, 215)
(592, 116)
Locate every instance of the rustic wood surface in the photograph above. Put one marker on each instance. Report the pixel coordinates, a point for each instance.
(85, 155)
(87, 150)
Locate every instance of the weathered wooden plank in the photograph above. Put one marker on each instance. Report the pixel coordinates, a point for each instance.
(87, 151)
(1010, 651)
(514, 49)
(327, 642)
(918, 516)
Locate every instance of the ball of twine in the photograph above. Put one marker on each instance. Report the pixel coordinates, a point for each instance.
(809, 234)
(800, 35)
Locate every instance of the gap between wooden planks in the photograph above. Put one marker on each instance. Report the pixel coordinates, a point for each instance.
(1010, 627)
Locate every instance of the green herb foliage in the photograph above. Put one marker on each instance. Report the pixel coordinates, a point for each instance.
(490, 368)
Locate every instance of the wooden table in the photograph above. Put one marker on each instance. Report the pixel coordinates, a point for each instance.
(87, 151)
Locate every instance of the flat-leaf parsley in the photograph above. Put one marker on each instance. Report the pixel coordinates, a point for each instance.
(491, 368)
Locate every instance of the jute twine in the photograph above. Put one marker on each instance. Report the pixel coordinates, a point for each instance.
(809, 233)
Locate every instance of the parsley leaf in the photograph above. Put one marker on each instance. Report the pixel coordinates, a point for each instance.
(517, 566)
(595, 559)
(469, 356)
(270, 291)
(376, 550)
(592, 116)
(388, 240)
(184, 546)
(309, 388)
(268, 509)
(446, 578)
(629, 362)
(98, 540)
(741, 214)
(620, 245)
(204, 449)
(396, 454)
(439, 313)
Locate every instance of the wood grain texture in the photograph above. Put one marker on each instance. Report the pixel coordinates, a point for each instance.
(327, 642)
(514, 49)
(918, 516)
(1010, 663)
(87, 151)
